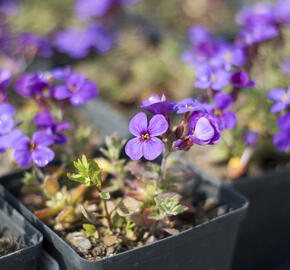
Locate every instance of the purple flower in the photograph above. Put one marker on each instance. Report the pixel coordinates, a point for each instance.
(257, 33)
(225, 119)
(76, 42)
(282, 97)
(46, 122)
(8, 7)
(7, 139)
(102, 39)
(5, 78)
(203, 129)
(282, 12)
(229, 56)
(6, 118)
(282, 139)
(86, 9)
(35, 150)
(188, 105)
(155, 105)
(240, 79)
(147, 143)
(31, 43)
(251, 137)
(258, 14)
(285, 67)
(60, 73)
(198, 34)
(77, 89)
(31, 85)
(209, 78)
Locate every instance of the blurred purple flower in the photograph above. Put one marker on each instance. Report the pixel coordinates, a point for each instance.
(77, 42)
(285, 67)
(146, 143)
(282, 138)
(225, 119)
(5, 79)
(251, 137)
(7, 123)
(257, 33)
(240, 79)
(35, 84)
(203, 129)
(86, 9)
(188, 105)
(61, 73)
(156, 105)
(78, 89)
(31, 43)
(210, 78)
(257, 14)
(7, 139)
(46, 122)
(198, 34)
(282, 97)
(35, 150)
(9, 7)
(282, 12)
(229, 56)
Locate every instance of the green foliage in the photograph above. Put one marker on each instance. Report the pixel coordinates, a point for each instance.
(168, 206)
(105, 195)
(28, 178)
(114, 146)
(88, 173)
(90, 230)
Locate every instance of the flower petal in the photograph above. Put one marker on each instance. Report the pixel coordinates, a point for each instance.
(138, 124)
(152, 148)
(278, 107)
(203, 129)
(222, 101)
(87, 92)
(42, 156)
(282, 141)
(134, 148)
(23, 157)
(61, 92)
(40, 138)
(158, 125)
(22, 143)
(230, 120)
(276, 94)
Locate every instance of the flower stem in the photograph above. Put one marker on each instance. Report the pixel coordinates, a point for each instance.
(163, 165)
(108, 216)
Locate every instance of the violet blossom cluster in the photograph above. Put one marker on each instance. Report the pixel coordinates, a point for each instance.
(151, 139)
(97, 34)
(221, 66)
(282, 106)
(56, 88)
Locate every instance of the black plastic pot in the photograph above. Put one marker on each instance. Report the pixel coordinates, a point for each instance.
(13, 224)
(264, 239)
(263, 242)
(206, 246)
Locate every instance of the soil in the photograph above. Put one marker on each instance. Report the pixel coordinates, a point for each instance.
(8, 245)
(202, 209)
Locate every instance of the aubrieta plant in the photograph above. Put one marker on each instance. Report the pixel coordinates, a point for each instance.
(224, 69)
(52, 91)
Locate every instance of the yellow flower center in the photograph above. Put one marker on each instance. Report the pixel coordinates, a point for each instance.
(72, 88)
(218, 112)
(285, 97)
(32, 146)
(189, 106)
(145, 136)
(213, 78)
(228, 57)
(45, 91)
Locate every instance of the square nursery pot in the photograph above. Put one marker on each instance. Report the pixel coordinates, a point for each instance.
(203, 247)
(263, 242)
(14, 225)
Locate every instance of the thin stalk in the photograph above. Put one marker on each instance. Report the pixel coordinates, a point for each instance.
(163, 166)
(108, 216)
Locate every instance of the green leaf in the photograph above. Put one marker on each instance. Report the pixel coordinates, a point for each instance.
(105, 195)
(89, 230)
